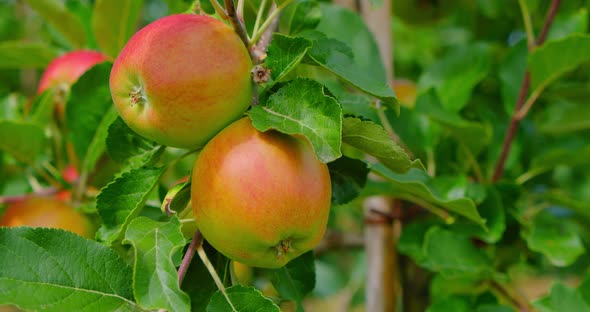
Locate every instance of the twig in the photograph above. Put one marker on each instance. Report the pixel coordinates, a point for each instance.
(260, 47)
(528, 26)
(524, 90)
(235, 21)
(188, 256)
(269, 20)
(517, 301)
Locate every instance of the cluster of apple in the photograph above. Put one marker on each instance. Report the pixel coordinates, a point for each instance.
(260, 198)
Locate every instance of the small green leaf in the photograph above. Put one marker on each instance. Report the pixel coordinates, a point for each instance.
(372, 139)
(89, 112)
(348, 177)
(114, 22)
(474, 135)
(454, 303)
(415, 185)
(492, 210)
(199, 284)
(300, 15)
(127, 147)
(347, 26)
(412, 239)
(18, 54)
(284, 53)
(68, 24)
(569, 23)
(122, 200)
(296, 279)
(43, 107)
(511, 72)
(561, 299)
(564, 117)
(45, 269)
(243, 299)
(302, 107)
(555, 58)
(554, 239)
(154, 272)
(456, 74)
(453, 254)
(23, 140)
(337, 58)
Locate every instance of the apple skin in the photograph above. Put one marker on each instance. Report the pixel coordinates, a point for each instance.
(260, 198)
(66, 69)
(182, 79)
(48, 212)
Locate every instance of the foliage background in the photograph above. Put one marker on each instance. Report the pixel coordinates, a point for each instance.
(467, 60)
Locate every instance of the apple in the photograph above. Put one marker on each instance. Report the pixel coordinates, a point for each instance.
(405, 90)
(182, 79)
(49, 212)
(260, 198)
(65, 70)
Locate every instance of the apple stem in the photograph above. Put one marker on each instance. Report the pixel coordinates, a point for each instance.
(188, 256)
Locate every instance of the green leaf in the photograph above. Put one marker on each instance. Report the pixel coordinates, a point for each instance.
(296, 279)
(198, 283)
(154, 272)
(494, 308)
(43, 107)
(114, 22)
(302, 107)
(454, 303)
(18, 54)
(284, 53)
(372, 139)
(412, 239)
(563, 117)
(555, 58)
(127, 147)
(45, 269)
(178, 198)
(474, 135)
(89, 112)
(453, 254)
(23, 140)
(344, 25)
(567, 24)
(337, 58)
(551, 157)
(563, 298)
(511, 72)
(553, 238)
(243, 299)
(416, 186)
(68, 24)
(456, 74)
(300, 15)
(492, 210)
(348, 177)
(122, 200)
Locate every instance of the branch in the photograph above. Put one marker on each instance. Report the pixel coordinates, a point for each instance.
(188, 256)
(235, 21)
(524, 90)
(516, 300)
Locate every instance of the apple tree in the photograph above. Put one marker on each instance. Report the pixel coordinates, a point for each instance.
(294, 155)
